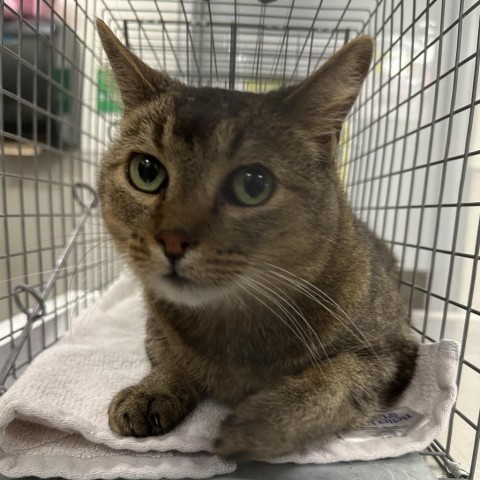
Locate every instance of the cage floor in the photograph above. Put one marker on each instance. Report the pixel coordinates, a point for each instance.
(410, 466)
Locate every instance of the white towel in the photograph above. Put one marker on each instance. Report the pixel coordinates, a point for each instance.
(53, 420)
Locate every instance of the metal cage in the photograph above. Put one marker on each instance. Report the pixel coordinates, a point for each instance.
(409, 153)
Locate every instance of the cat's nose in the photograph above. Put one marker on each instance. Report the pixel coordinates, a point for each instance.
(174, 243)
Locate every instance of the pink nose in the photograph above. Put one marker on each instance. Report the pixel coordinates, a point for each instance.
(174, 243)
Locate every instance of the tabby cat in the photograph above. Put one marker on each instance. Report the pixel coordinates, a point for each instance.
(263, 290)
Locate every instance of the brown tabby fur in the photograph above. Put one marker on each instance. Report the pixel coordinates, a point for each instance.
(294, 319)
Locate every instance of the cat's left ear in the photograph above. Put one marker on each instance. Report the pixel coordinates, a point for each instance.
(136, 81)
(323, 100)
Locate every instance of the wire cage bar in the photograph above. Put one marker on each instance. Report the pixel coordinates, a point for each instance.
(409, 154)
(51, 138)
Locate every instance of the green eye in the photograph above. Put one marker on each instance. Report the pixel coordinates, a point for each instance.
(249, 186)
(146, 173)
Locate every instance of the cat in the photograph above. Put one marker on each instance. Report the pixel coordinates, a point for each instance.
(263, 290)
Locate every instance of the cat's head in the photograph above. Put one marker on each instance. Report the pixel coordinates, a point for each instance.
(209, 193)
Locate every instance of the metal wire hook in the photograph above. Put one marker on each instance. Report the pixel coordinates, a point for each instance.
(76, 193)
(36, 313)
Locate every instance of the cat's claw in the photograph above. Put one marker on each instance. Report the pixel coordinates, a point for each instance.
(138, 412)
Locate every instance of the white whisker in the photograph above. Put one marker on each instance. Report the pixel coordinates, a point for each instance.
(297, 332)
(307, 288)
(297, 310)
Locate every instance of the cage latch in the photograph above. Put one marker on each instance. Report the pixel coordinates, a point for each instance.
(77, 189)
(39, 311)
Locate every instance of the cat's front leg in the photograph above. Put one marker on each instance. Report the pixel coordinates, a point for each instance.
(322, 400)
(152, 407)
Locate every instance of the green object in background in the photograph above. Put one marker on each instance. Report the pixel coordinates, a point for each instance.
(63, 100)
(108, 94)
(259, 85)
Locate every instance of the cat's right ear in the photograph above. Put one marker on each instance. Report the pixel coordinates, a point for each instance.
(136, 81)
(324, 99)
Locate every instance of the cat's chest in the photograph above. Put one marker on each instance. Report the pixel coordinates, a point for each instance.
(228, 378)
(226, 363)
(230, 356)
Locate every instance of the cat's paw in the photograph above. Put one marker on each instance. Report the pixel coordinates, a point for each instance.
(136, 411)
(254, 434)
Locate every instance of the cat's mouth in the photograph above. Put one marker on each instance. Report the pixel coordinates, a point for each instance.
(177, 288)
(175, 279)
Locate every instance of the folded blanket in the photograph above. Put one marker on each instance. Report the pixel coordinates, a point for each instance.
(53, 420)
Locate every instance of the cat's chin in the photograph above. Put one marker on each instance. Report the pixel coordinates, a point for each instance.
(184, 292)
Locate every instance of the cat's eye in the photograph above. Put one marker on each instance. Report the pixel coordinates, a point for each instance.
(249, 186)
(146, 173)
